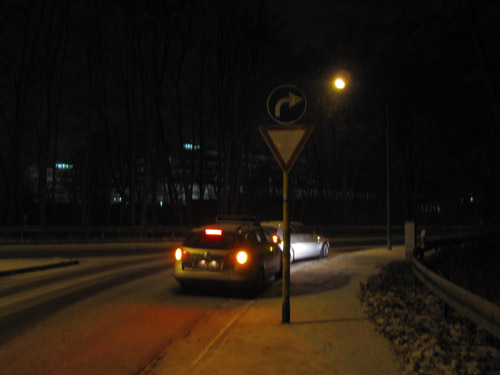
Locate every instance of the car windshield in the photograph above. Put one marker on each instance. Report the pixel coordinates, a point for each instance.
(201, 240)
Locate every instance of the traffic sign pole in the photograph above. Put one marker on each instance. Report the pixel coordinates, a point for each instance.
(285, 309)
(286, 105)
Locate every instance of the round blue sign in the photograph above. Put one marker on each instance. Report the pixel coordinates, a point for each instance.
(286, 104)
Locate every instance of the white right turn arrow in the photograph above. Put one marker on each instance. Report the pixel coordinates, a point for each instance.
(291, 100)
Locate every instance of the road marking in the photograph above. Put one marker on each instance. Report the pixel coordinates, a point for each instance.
(205, 353)
(219, 339)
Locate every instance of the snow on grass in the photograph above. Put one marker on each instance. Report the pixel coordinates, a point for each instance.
(428, 339)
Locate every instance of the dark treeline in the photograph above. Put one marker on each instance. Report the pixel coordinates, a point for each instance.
(430, 72)
(145, 113)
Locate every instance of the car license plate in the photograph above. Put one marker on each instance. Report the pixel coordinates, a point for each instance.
(209, 265)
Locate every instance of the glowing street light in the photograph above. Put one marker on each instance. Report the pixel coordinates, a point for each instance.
(339, 83)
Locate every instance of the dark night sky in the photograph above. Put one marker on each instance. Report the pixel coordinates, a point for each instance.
(300, 21)
(433, 65)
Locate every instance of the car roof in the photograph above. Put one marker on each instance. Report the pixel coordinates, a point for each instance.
(226, 226)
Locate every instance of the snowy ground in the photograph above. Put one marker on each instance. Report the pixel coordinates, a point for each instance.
(428, 338)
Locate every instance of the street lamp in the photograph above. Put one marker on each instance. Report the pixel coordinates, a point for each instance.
(339, 83)
(388, 185)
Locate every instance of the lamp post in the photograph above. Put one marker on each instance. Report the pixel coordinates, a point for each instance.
(339, 83)
(388, 169)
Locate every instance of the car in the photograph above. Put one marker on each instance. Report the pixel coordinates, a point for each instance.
(230, 252)
(304, 243)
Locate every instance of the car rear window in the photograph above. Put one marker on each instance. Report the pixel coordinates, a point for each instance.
(271, 230)
(201, 240)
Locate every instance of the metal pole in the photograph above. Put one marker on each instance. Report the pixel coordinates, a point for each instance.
(285, 310)
(388, 167)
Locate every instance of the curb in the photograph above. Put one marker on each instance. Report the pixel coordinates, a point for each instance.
(39, 267)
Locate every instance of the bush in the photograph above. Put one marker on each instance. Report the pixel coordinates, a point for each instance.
(425, 339)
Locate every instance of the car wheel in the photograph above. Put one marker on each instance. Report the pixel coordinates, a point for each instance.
(278, 275)
(259, 281)
(324, 251)
(186, 287)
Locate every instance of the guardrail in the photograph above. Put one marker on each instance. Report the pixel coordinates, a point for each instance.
(479, 310)
(33, 234)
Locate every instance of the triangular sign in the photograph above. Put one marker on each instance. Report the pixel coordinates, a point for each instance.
(286, 142)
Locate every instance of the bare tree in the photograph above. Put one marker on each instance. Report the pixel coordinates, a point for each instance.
(49, 88)
(33, 68)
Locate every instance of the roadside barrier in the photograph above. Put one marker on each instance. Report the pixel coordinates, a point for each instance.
(484, 313)
(43, 234)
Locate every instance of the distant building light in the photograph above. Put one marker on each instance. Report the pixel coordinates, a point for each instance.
(64, 166)
(190, 146)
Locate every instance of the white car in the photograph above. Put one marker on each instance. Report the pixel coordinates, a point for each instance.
(303, 243)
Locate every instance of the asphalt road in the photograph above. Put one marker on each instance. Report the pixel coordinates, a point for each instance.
(104, 316)
(85, 250)
(109, 314)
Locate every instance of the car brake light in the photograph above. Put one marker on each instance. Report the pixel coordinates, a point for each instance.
(178, 254)
(241, 257)
(213, 232)
(276, 238)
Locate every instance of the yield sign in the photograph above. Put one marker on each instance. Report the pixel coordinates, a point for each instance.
(286, 142)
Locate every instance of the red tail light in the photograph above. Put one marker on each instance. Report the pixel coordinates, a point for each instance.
(180, 254)
(241, 257)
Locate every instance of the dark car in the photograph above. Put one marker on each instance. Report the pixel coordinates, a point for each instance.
(228, 252)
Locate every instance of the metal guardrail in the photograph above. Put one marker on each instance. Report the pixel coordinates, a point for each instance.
(484, 313)
(33, 234)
